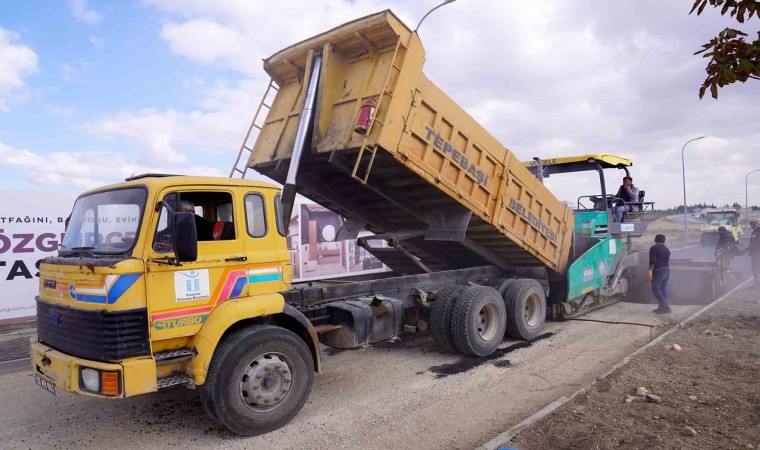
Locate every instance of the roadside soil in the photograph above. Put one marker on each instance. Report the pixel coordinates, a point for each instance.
(710, 391)
(673, 232)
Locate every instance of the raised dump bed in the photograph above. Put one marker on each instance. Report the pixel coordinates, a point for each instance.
(420, 171)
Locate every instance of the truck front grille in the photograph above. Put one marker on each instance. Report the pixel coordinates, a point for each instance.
(96, 335)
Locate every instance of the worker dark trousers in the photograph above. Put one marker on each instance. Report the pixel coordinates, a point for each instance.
(755, 260)
(660, 279)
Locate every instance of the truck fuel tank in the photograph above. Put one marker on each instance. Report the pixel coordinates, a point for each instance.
(363, 321)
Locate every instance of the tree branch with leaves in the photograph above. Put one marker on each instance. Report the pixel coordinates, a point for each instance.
(732, 58)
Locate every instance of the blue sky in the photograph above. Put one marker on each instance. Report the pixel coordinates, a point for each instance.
(91, 92)
(86, 68)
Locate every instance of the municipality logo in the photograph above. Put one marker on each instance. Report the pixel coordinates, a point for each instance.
(192, 282)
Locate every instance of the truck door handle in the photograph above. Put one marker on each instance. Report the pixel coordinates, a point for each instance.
(236, 258)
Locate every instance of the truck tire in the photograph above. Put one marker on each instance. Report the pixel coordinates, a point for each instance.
(440, 318)
(501, 284)
(259, 379)
(526, 309)
(478, 321)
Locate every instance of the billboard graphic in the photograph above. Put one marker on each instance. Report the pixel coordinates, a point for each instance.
(314, 254)
(31, 229)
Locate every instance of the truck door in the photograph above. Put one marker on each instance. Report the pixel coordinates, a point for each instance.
(268, 267)
(181, 297)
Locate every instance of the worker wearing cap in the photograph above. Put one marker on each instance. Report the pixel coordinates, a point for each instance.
(754, 250)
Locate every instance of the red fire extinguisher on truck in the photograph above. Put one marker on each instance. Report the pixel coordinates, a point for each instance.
(366, 115)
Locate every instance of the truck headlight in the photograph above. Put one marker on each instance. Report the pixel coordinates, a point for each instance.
(91, 380)
(104, 382)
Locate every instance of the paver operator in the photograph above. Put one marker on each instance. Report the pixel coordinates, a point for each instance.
(629, 193)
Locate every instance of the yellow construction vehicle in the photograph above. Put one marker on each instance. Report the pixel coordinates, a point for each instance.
(715, 218)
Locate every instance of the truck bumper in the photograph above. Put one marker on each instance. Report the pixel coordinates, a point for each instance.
(133, 377)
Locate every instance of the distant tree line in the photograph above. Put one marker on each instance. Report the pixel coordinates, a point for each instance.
(691, 209)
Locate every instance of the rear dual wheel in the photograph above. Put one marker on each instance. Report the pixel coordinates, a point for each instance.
(468, 320)
(473, 320)
(526, 309)
(478, 321)
(440, 317)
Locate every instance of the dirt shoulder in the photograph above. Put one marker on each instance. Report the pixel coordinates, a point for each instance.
(673, 231)
(709, 389)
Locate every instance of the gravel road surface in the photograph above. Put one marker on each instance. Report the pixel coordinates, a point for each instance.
(391, 395)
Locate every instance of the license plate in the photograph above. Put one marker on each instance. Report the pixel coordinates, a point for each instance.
(44, 384)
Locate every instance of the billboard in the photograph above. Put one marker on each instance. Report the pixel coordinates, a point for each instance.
(31, 229)
(314, 253)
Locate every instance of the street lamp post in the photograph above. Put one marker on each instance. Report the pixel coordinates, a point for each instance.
(446, 2)
(746, 195)
(683, 173)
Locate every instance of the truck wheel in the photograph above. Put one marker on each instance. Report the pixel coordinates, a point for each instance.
(478, 321)
(440, 318)
(501, 284)
(526, 309)
(258, 380)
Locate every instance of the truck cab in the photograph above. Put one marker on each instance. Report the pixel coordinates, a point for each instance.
(142, 293)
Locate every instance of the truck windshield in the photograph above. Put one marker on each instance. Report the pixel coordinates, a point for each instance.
(104, 222)
(721, 218)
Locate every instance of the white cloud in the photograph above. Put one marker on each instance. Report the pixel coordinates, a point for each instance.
(546, 78)
(60, 111)
(147, 130)
(208, 42)
(71, 74)
(238, 34)
(82, 13)
(84, 170)
(98, 41)
(169, 136)
(16, 61)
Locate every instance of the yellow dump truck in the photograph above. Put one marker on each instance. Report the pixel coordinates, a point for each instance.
(716, 218)
(170, 280)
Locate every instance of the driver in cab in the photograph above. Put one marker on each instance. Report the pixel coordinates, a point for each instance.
(203, 227)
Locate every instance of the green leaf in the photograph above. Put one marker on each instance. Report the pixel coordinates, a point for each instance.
(702, 7)
(714, 90)
(702, 91)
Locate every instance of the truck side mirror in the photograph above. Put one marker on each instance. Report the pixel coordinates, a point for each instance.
(185, 237)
